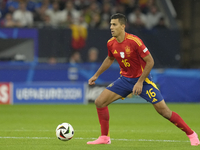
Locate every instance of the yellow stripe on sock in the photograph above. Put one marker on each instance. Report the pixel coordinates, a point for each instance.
(108, 133)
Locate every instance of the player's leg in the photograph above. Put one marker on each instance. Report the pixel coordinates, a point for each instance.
(102, 102)
(116, 90)
(163, 110)
(152, 94)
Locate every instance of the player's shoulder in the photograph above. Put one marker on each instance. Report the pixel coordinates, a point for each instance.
(134, 38)
(111, 40)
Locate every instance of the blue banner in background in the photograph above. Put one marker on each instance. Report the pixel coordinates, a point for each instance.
(48, 93)
(176, 85)
(180, 85)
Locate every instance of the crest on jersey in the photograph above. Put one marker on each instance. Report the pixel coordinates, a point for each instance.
(122, 54)
(128, 51)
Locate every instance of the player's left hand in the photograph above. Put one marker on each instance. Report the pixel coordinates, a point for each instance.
(92, 80)
(137, 89)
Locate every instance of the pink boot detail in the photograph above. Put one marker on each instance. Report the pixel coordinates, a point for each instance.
(101, 140)
(194, 139)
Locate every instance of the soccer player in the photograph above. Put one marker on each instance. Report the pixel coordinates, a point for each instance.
(135, 62)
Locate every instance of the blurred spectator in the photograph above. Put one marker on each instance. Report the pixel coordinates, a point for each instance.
(55, 14)
(153, 17)
(12, 5)
(23, 16)
(120, 9)
(75, 58)
(80, 4)
(88, 12)
(123, 2)
(3, 9)
(40, 15)
(41, 19)
(45, 3)
(95, 6)
(145, 5)
(31, 5)
(8, 21)
(105, 16)
(93, 53)
(137, 18)
(104, 25)
(130, 6)
(95, 21)
(46, 22)
(52, 60)
(67, 22)
(161, 24)
(69, 8)
(82, 22)
(106, 12)
(139, 23)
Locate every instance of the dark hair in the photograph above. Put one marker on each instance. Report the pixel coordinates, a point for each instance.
(122, 18)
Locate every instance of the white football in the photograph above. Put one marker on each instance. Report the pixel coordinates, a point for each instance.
(64, 131)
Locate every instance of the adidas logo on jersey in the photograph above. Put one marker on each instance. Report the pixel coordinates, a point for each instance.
(115, 52)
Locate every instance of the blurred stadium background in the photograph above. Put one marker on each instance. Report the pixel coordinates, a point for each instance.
(49, 49)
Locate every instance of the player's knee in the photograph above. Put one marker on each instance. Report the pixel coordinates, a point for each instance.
(98, 103)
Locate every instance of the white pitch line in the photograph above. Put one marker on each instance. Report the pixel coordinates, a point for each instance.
(21, 130)
(80, 138)
(25, 130)
(138, 140)
(26, 138)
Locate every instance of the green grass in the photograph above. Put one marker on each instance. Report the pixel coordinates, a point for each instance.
(132, 126)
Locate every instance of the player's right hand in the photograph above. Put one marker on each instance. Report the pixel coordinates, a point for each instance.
(92, 80)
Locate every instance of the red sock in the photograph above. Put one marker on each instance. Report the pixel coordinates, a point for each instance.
(103, 115)
(179, 122)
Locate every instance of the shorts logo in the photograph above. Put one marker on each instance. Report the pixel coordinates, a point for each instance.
(111, 85)
(154, 100)
(122, 54)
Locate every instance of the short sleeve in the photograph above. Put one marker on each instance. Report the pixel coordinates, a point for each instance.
(142, 49)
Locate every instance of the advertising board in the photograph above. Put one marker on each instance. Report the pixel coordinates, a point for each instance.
(48, 93)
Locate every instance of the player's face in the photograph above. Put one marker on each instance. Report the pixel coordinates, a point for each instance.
(116, 28)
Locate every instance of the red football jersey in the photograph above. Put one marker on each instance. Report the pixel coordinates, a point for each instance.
(129, 55)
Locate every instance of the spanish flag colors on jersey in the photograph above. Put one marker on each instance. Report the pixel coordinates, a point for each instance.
(129, 54)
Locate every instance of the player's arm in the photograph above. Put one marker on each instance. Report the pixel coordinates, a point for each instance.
(137, 89)
(104, 66)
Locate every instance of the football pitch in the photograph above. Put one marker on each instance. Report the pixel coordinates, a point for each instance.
(132, 127)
